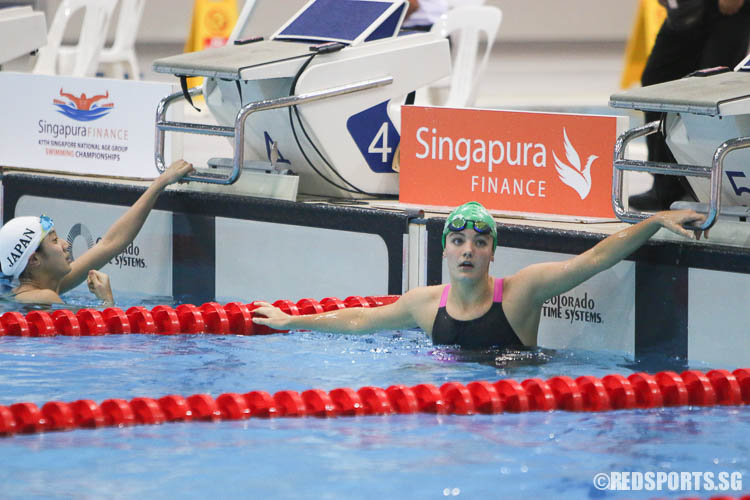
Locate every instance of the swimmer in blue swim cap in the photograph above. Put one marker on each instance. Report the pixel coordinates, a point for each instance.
(476, 310)
(32, 252)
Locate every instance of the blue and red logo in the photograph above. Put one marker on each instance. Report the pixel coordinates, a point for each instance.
(83, 108)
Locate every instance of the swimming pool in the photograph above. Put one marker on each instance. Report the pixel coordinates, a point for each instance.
(509, 455)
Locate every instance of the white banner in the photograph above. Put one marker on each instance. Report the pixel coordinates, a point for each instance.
(86, 126)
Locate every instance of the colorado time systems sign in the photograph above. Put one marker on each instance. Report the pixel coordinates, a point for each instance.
(511, 161)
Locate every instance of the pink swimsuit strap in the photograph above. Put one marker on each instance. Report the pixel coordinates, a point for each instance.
(444, 297)
(496, 297)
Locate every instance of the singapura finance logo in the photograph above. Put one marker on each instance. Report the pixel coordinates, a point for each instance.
(83, 108)
(571, 173)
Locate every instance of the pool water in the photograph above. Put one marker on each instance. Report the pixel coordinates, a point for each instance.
(528, 455)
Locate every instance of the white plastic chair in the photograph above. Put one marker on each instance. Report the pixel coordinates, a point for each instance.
(466, 25)
(52, 58)
(122, 51)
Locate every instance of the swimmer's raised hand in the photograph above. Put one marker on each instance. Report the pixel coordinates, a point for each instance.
(176, 171)
(98, 283)
(673, 220)
(270, 315)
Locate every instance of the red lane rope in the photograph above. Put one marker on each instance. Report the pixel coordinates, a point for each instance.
(211, 317)
(586, 393)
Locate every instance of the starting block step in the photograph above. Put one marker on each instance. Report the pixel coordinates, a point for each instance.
(257, 179)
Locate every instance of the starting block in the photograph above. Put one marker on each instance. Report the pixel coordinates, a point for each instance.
(706, 117)
(321, 99)
(22, 31)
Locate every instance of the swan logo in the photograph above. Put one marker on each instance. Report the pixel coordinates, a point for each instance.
(571, 173)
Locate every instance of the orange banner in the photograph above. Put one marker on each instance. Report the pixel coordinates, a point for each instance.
(510, 161)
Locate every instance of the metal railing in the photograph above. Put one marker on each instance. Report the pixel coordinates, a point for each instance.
(715, 173)
(238, 131)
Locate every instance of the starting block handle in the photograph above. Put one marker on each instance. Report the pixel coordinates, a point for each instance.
(163, 126)
(293, 100)
(715, 173)
(238, 132)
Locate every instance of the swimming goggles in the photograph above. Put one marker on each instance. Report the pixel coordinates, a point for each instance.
(47, 224)
(459, 223)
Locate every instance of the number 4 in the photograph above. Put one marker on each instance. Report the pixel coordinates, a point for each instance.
(384, 150)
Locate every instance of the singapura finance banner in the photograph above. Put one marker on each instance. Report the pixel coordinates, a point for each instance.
(510, 161)
(94, 126)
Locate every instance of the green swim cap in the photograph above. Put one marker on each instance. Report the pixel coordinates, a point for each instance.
(474, 213)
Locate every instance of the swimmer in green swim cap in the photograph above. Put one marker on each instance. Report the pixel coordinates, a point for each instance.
(474, 215)
(476, 310)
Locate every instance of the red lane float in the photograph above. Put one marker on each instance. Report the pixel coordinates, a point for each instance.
(485, 397)
(620, 390)
(458, 398)
(166, 320)
(309, 306)
(203, 407)
(647, 390)
(261, 404)
(147, 411)
(585, 393)
(541, 397)
(91, 322)
(118, 322)
(240, 318)
(87, 413)
(332, 304)
(232, 406)
(41, 324)
(58, 415)
(402, 399)
(15, 324)
(728, 390)
(66, 323)
(429, 399)
(290, 404)
(141, 320)
(593, 393)
(347, 402)
(512, 395)
(567, 393)
(375, 401)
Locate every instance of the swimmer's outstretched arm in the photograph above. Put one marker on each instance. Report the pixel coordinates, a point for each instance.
(125, 229)
(539, 282)
(407, 312)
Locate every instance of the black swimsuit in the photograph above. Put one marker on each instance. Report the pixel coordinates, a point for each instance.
(489, 330)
